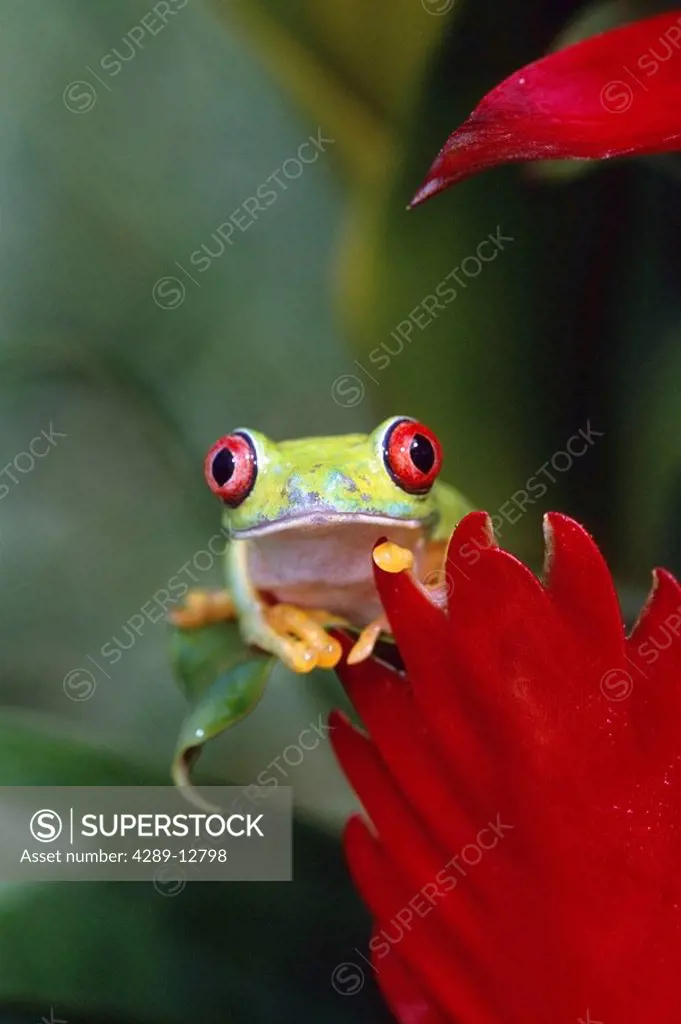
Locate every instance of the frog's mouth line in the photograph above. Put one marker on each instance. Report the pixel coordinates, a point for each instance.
(323, 520)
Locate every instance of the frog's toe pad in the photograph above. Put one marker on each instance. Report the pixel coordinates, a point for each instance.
(390, 557)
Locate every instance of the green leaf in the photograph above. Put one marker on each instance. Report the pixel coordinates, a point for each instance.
(222, 682)
(199, 655)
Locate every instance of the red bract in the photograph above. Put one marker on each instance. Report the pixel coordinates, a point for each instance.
(524, 784)
(615, 94)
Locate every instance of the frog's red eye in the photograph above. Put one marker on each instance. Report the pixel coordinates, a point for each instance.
(412, 455)
(231, 468)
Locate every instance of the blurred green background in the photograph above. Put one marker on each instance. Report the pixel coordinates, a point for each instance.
(127, 143)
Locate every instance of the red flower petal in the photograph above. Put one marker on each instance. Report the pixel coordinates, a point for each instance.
(615, 94)
(404, 995)
(524, 784)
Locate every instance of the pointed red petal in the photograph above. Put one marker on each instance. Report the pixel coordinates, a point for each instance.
(614, 94)
(432, 957)
(580, 583)
(407, 752)
(654, 652)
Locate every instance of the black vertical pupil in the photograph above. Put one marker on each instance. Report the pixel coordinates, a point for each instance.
(223, 467)
(422, 453)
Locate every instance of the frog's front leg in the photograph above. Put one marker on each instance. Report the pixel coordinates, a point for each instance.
(203, 608)
(294, 635)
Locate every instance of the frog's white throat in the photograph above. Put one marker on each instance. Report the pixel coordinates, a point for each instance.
(327, 564)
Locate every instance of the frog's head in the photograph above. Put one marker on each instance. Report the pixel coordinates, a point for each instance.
(382, 478)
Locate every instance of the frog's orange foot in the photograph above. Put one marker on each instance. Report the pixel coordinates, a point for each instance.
(203, 608)
(367, 640)
(300, 639)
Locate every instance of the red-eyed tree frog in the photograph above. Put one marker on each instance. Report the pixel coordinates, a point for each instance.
(303, 517)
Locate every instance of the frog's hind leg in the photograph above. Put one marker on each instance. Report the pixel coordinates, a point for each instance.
(204, 608)
(364, 645)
